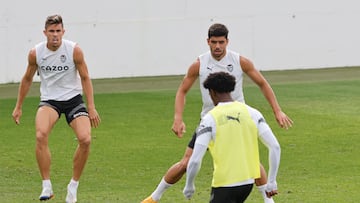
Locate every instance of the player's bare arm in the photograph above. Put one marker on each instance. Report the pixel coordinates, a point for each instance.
(25, 84)
(192, 74)
(248, 67)
(87, 86)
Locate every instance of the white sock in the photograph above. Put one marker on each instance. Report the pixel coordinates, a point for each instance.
(261, 189)
(73, 184)
(161, 188)
(46, 184)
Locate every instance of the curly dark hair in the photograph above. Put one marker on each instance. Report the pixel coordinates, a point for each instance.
(221, 82)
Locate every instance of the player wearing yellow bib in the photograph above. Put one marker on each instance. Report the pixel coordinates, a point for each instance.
(230, 131)
(245, 165)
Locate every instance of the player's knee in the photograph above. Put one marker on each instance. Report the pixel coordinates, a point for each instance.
(84, 140)
(41, 137)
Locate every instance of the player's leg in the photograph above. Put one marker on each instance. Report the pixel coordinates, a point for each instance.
(176, 172)
(263, 177)
(261, 185)
(45, 120)
(82, 128)
(173, 175)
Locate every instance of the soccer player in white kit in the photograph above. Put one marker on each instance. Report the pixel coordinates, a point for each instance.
(218, 58)
(64, 78)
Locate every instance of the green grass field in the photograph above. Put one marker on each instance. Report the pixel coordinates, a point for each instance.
(134, 145)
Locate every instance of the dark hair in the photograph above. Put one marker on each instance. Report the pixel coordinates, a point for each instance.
(218, 30)
(53, 20)
(221, 82)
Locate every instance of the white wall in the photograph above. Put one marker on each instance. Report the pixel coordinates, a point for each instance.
(163, 37)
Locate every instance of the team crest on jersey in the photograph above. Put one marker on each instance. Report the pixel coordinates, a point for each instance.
(63, 58)
(230, 67)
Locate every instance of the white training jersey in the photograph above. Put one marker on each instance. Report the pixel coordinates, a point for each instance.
(230, 63)
(59, 77)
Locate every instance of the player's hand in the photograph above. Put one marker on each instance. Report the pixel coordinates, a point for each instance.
(189, 191)
(179, 128)
(16, 115)
(283, 120)
(271, 193)
(94, 118)
(271, 189)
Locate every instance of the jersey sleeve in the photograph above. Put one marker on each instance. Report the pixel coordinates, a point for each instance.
(268, 138)
(205, 131)
(259, 120)
(203, 137)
